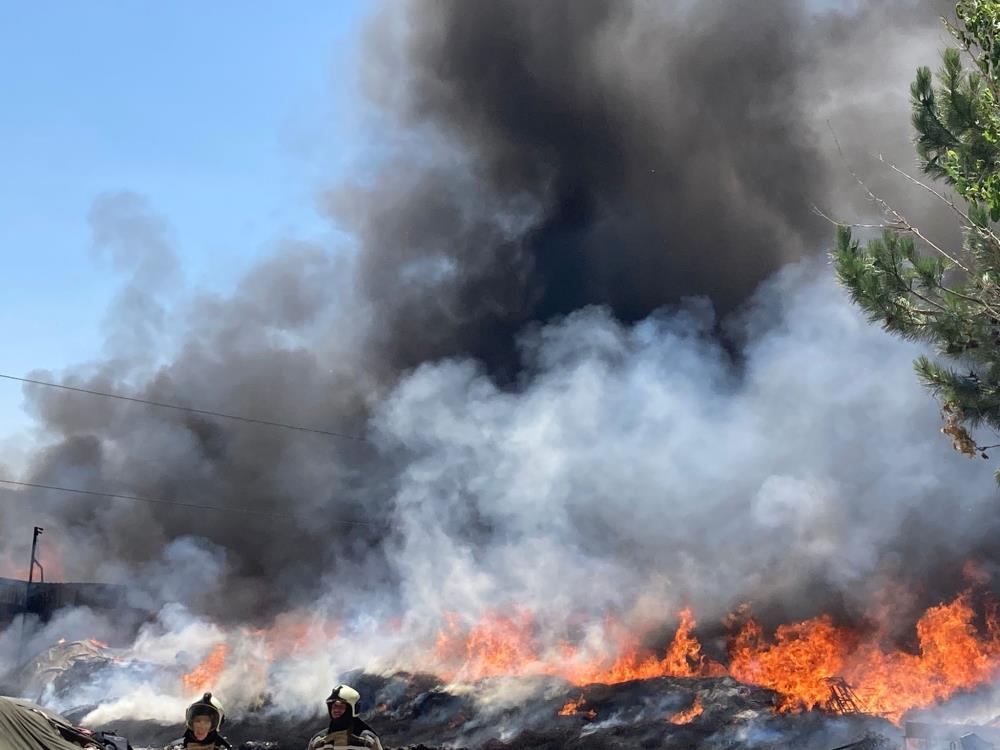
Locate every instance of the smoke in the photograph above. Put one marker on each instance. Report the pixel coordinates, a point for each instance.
(583, 335)
(630, 160)
(668, 477)
(646, 152)
(137, 242)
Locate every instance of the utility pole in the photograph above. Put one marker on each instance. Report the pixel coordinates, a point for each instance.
(34, 559)
(31, 578)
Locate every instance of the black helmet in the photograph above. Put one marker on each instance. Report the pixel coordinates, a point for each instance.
(207, 706)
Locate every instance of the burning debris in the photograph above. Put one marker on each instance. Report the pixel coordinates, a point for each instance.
(205, 674)
(577, 707)
(689, 714)
(501, 678)
(812, 664)
(413, 710)
(843, 699)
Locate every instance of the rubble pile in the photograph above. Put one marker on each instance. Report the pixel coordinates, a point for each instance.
(420, 712)
(58, 670)
(423, 712)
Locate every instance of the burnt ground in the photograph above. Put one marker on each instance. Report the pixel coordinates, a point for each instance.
(409, 711)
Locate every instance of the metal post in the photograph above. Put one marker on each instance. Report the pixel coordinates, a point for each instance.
(27, 587)
(34, 558)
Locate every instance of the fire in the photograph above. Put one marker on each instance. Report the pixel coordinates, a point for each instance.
(499, 645)
(205, 674)
(690, 714)
(97, 643)
(249, 653)
(800, 661)
(576, 707)
(796, 664)
(508, 645)
(951, 656)
(682, 659)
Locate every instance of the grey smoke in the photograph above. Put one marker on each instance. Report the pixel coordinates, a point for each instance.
(135, 241)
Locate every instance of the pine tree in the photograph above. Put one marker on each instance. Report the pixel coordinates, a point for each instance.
(919, 290)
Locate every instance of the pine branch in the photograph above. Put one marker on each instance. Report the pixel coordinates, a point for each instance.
(904, 224)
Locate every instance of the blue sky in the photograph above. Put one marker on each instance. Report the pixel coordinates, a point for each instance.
(227, 116)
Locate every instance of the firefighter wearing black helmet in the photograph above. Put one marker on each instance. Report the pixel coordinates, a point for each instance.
(203, 718)
(346, 728)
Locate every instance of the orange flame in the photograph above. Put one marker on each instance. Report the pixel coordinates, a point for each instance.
(952, 656)
(206, 673)
(797, 661)
(499, 645)
(508, 645)
(795, 665)
(682, 659)
(575, 707)
(690, 714)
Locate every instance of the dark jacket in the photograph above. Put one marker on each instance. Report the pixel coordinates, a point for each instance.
(342, 732)
(214, 741)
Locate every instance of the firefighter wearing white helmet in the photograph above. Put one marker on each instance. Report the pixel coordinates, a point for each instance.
(346, 728)
(203, 719)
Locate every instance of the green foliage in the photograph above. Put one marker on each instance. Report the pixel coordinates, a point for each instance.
(948, 299)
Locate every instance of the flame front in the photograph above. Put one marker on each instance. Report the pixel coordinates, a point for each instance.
(499, 645)
(505, 645)
(797, 662)
(683, 658)
(206, 674)
(955, 650)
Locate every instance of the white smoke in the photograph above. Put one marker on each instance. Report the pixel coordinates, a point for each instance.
(637, 463)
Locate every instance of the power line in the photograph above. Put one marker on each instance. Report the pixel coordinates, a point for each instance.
(330, 433)
(158, 501)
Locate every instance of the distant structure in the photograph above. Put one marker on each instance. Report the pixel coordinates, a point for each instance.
(923, 736)
(43, 599)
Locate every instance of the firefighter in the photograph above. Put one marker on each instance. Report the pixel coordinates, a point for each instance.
(346, 727)
(204, 719)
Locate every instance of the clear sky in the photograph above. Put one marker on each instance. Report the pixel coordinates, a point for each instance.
(227, 116)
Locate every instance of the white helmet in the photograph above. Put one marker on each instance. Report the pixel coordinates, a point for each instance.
(345, 693)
